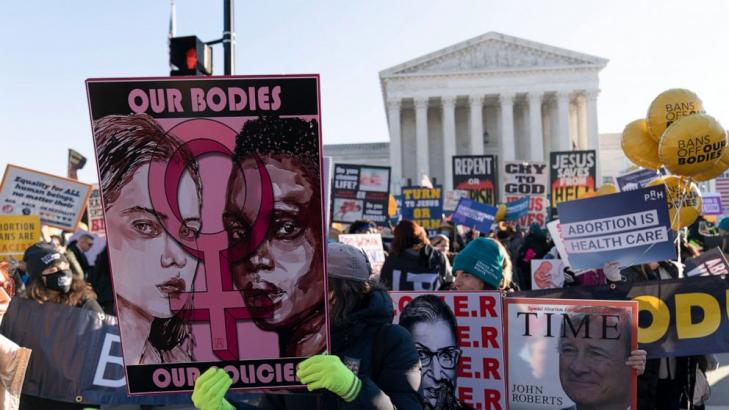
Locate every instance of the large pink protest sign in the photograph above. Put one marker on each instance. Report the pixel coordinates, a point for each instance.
(212, 204)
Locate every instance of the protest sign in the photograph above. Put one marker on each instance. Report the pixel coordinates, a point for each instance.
(536, 210)
(371, 243)
(424, 206)
(326, 171)
(678, 317)
(515, 210)
(95, 212)
(525, 178)
(451, 198)
(17, 233)
(572, 174)
(637, 179)
(462, 362)
(477, 174)
(547, 273)
(474, 215)
(556, 234)
(225, 171)
(360, 192)
(59, 202)
(711, 203)
(578, 331)
(721, 185)
(629, 228)
(710, 262)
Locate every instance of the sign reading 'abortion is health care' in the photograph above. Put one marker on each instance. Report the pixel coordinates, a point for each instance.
(629, 228)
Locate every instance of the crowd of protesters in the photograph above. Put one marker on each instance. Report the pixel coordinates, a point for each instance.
(58, 271)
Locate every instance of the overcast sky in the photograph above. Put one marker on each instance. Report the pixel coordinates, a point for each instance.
(51, 47)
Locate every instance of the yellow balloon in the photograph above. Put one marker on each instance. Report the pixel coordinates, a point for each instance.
(500, 213)
(607, 189)
(716, 170)
(391, 206)
(639, 146)
(692, 145)
(684, 200)
(669, 106)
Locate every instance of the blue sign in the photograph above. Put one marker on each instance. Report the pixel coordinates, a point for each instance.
(424, 206)
(474, 214)
(629, 228)
(637, 179)
(517, 209)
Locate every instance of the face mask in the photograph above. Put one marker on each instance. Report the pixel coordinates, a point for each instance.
(446, 233)
(60, 281)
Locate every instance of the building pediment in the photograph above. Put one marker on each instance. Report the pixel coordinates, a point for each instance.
(494, 52)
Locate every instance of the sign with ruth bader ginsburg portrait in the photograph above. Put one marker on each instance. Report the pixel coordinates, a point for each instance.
(211, 190)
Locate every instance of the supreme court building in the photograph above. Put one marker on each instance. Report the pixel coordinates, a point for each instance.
(493, 94)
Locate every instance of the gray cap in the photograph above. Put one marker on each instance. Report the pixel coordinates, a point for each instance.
(347, 262)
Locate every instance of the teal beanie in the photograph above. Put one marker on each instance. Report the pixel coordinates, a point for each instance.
(483, 258)
(724, 224)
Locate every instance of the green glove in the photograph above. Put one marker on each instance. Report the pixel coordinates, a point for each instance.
(328, 372)
(210, 389)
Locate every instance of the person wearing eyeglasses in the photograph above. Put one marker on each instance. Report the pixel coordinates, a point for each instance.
(432, 324)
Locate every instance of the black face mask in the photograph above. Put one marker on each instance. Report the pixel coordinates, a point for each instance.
(60, 281)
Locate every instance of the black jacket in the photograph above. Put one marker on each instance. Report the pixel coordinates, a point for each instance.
(80, 257)
(396, 385)
(411, 270)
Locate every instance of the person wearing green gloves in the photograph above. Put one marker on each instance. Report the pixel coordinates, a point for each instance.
(373, 365)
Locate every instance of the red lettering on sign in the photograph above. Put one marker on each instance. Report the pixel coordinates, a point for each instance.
(488, 337)
(464, 367)
(463, 334)
(492, 398)
(460, 306)
(490, 368)
(487, 304)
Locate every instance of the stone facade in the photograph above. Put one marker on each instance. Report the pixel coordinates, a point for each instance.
(493, 94)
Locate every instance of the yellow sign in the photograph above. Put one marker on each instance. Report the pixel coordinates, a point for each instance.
(17, 233)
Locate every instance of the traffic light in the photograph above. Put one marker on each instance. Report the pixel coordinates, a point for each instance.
(190, 56)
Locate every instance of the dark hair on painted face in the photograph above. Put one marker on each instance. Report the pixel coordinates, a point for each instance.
(428, 309)
(124, 143)
(262, 136)
(407, 235)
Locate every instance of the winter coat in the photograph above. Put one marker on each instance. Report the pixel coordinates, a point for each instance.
(535, 246)
(394, 387)
(13, 364)
(425, 269)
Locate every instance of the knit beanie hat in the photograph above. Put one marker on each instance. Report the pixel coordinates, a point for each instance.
(483, 258)
(724, 224)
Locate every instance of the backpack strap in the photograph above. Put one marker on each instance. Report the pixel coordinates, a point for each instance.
(378, 353)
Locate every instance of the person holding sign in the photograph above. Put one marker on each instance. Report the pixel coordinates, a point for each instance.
(413, 263)
(51, 281)
(155, 265)
(483, 265)
(373, 365)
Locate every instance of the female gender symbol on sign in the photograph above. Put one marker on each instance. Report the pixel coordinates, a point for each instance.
(220, 304)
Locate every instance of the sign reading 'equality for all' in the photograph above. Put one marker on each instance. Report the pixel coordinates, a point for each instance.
(225, 171)
(360, 192)
(629, 228)
(59, 202)
(458, 336)
(477, 175)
